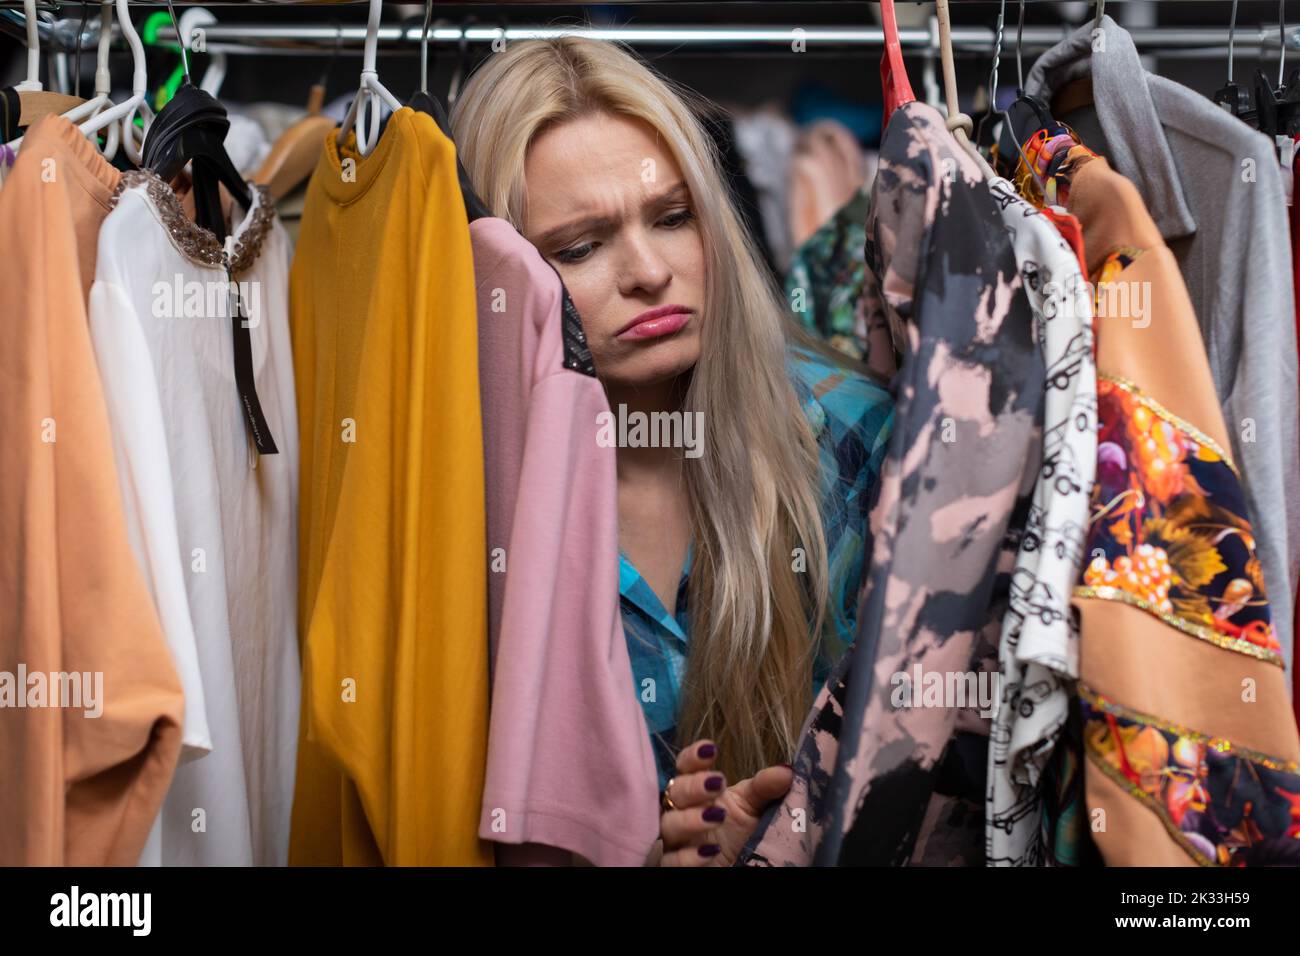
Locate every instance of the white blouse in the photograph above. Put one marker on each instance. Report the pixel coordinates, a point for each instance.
(213, 524)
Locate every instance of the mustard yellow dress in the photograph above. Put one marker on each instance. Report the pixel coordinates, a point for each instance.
(393, 595)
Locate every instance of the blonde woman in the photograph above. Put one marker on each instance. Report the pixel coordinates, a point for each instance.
(740, 565)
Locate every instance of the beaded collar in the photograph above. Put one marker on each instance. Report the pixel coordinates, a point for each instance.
(191, 240)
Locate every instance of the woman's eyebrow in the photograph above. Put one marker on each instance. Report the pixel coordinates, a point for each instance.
(558, 235)
(561, 234)
(675, 193)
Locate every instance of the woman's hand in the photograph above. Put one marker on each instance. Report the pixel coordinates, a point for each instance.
(713, 822)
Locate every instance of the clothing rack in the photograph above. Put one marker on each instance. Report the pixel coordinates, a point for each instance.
(72, 5)
(60, 36)
(968, 38)
(56, 5)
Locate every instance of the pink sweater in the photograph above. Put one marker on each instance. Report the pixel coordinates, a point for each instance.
(569, 760)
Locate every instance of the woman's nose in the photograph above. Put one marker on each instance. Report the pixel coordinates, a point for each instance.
(643, 269)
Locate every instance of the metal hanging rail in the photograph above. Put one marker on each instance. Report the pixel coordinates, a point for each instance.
(61, 5)
(969, 37)
(316, 39)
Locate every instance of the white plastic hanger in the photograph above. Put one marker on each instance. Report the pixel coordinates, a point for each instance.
(216, 72)
(35, 100)
(126, 110)
(102, 88)
(371, 93)
(33, 82)
(103, 84)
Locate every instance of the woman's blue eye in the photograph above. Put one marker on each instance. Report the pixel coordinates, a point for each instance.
(675, 219)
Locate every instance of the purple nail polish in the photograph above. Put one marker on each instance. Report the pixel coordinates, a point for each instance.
(710, 849)
(706, 751)
(713, 783)
(715, 815)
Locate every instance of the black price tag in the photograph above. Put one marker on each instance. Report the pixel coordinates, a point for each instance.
(253, 415)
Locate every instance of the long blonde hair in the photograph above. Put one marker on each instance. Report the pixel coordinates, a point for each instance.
(754, 496)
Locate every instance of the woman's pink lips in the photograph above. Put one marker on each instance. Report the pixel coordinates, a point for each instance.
(656, 323)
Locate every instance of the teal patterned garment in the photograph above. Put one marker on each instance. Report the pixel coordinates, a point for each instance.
(852, 418)
(824, 287)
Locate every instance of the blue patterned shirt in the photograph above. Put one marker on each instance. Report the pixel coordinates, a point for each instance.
(852, 418)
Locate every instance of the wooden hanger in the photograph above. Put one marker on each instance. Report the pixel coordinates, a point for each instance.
(294, 155)
(39, 103)
(296, 152)
(34, 100)
(959, 124)
(1073, 96)
(1078, 93)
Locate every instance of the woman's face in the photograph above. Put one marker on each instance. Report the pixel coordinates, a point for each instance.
(608, 207)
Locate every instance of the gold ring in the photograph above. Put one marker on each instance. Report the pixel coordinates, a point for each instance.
(667, 799)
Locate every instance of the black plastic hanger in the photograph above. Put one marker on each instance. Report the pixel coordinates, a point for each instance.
(425, 102)
(1277, 108)
(192, 129)
(1291, 98)
(462, 60)
(1024, 117)
(475, 208)
(1233, 98)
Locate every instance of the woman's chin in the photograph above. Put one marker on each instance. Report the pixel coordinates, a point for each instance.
(652, 364)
